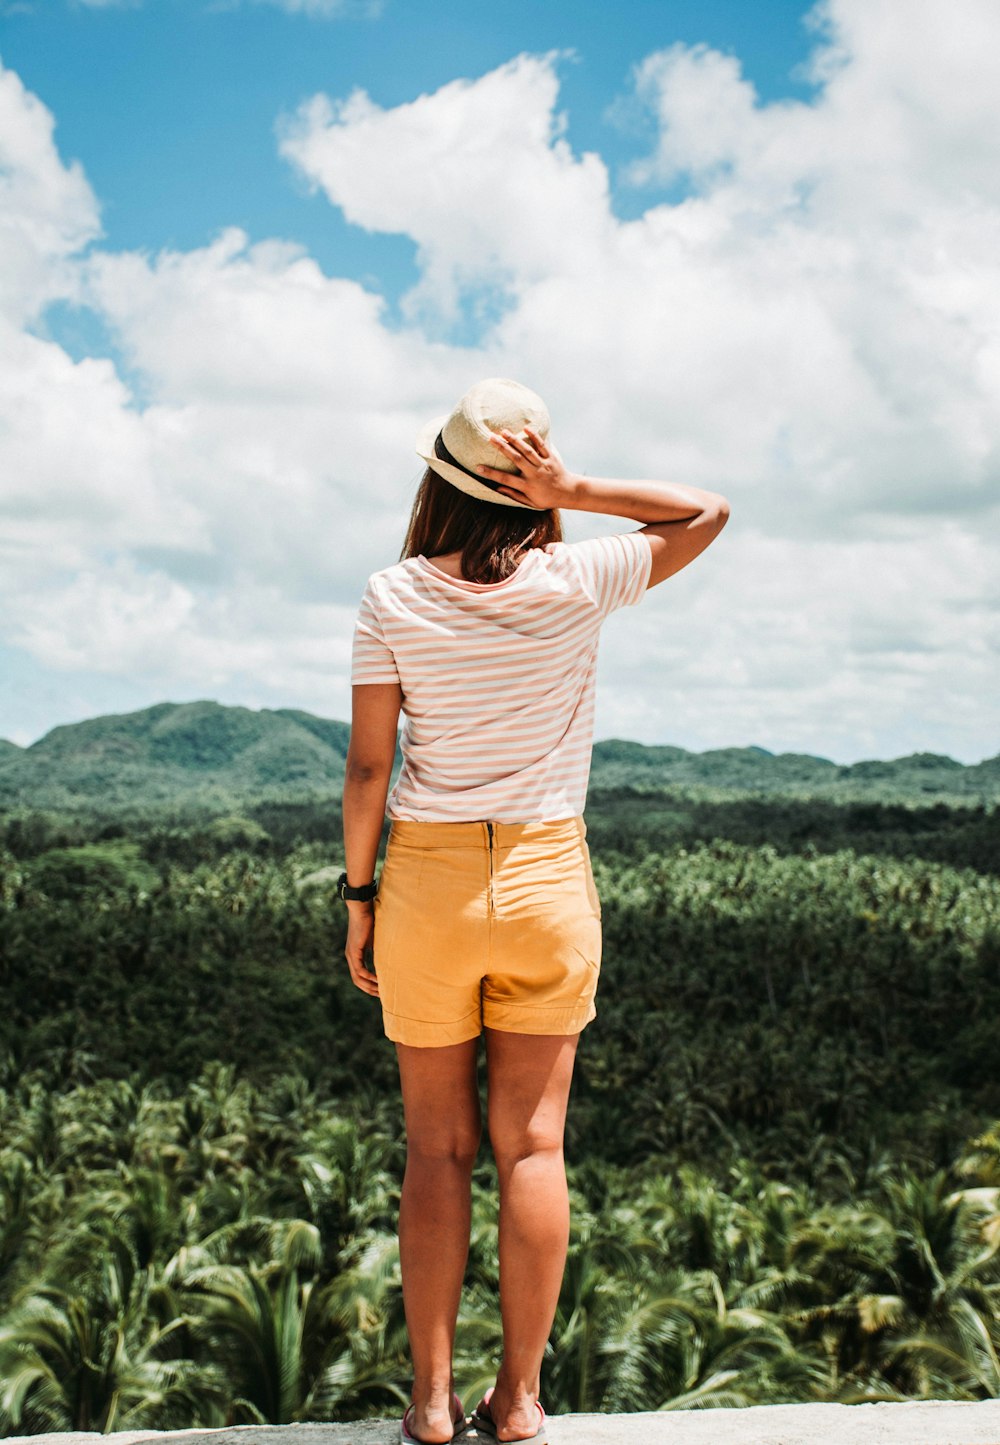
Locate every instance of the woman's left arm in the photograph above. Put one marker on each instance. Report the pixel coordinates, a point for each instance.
(371, 753)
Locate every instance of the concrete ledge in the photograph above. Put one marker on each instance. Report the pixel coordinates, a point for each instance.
(914, 1423)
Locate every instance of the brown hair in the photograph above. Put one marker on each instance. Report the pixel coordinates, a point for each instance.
(491, 538)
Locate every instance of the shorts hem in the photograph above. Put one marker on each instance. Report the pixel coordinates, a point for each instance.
(425, 1032)
(518, 1019)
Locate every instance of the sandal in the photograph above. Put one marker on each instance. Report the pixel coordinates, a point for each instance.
(483, 1420)
(458, 1419)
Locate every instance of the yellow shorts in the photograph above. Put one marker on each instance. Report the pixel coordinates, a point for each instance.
(486, 923)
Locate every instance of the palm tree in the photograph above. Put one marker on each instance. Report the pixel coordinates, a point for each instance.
(260, 1322)
(17, 1222)
(920, 1319)
(89, 1359)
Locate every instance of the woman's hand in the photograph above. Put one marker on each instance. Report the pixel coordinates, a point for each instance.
(360, 935)
(541, 479)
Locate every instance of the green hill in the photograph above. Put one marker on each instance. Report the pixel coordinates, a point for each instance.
(920, 777)
(198, 753)
(209, 758)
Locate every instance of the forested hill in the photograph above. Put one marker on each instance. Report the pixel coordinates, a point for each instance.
(920, 777)
(219, 758)
(174, 754)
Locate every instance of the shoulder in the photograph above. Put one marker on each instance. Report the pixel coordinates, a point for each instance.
(390, 594)
(605, 541)
(392, 578)
(558, 554)
(612, 570)
(607, 550)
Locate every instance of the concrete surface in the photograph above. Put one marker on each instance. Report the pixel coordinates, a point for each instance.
(915, 1423)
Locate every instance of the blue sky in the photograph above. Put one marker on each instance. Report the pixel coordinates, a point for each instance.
(729, 246)
(171, 104)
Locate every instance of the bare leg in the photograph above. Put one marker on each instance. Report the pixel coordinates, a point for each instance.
(529, 1078)
(443, 1131)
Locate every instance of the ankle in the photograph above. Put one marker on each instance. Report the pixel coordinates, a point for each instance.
(433, 1394)
(516, 1391)
(514, 1415)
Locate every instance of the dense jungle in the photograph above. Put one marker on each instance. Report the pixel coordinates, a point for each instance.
(783, 1140)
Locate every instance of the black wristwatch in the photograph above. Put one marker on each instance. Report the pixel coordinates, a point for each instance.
(356, 895)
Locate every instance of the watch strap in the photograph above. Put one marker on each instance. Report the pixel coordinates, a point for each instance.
(364, 894)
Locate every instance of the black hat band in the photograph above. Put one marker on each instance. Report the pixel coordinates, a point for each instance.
(444, 455)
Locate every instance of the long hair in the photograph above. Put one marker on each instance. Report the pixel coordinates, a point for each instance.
(491, 538)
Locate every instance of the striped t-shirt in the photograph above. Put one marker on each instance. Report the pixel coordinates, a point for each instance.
(498, 678)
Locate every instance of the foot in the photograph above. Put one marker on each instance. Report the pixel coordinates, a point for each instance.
(514, 1412)
(435, 1420)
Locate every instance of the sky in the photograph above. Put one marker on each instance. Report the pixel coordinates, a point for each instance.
(248, 247)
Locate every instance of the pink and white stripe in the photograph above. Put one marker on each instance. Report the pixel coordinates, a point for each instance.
(498, 678)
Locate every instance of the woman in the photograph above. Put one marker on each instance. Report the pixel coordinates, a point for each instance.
(485, 918)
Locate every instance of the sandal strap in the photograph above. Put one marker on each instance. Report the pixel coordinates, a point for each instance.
(455, 1397)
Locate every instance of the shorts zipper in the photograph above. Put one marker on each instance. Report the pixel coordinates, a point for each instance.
(489, 829)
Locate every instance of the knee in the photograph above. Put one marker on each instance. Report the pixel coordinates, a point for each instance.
(444, 1146)
(510, 1147)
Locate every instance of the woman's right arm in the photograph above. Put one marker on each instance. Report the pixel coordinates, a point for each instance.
(371, 753)
(681, 521)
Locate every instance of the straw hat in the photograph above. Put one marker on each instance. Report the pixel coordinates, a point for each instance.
(454, 445)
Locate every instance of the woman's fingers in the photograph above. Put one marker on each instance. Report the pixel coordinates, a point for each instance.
(536, 442)
(516, 448)
(503, 445)
(360, 975)
(505, 479)
(520, 452)
(359, 942)
(520, 447)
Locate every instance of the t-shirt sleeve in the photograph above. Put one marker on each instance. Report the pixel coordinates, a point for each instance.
(615, 569)
(371, 655)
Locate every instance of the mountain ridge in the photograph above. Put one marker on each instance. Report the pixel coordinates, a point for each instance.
(216, 756)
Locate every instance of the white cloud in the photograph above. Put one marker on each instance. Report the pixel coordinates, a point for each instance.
(47, 209)
(121, 619)
(778, 328)
(846, 650)
(815, 331)
(479, 174)
(79, 465)
(291, 409)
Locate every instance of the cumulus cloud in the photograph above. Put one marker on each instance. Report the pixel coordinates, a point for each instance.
(864, 650)
(76, 468)
(47, 209)
(288, 409)
(819, 314)
(814, 330)
(120, 617)
(479, 174)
